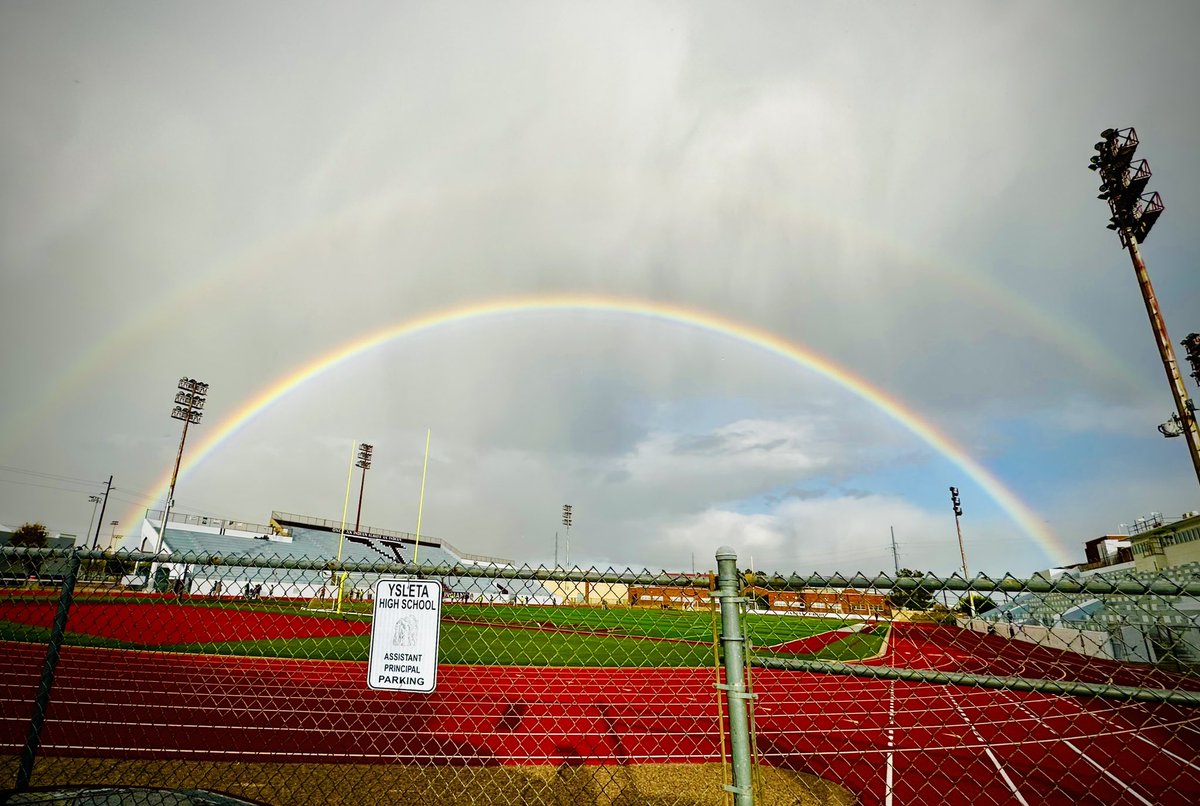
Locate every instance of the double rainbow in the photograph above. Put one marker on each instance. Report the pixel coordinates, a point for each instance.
(888, 404)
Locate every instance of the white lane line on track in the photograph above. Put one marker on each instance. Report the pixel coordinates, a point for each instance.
(1107, 774)
(1012, 787)
(1165, 751)
(891, 734)
(1133, 792)
(891, 739)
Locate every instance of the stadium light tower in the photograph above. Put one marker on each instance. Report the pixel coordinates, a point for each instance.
(962, 552)
(189, 407)
(365, 452)
(568, 516)
(1134, 212)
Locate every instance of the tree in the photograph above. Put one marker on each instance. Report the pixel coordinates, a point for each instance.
(975, 603)
(913, 599)
(31, 536)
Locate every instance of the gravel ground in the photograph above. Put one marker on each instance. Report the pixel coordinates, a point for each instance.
(396, 785)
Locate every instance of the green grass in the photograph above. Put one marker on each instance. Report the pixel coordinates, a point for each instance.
(686, 625)
(338, 647)
(765, 629)
(41, 635)
(852, 647)
(509, 635)
(23, 632)
(484, 645)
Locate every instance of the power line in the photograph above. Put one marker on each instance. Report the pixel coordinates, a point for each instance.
(46, 486)
(54, 476)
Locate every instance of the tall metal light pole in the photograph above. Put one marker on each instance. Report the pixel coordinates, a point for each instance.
(962, 552)
(1133, 216)
(189, 407)
(364, 461)
(112, 535)
(95, 499)
(567, 518)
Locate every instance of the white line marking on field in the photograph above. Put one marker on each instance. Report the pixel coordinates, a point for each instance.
(1162, 749)
(891, 739)
(1012, 787)
(1106, 773)
(1021, 705)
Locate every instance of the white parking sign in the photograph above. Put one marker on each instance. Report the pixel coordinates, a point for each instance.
(405, 629)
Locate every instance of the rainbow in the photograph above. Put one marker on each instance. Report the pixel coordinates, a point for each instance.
(1074, 340)
(888, 404)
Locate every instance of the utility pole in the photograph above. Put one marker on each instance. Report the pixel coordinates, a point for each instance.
(1133, 216)
(365, 452)
(107, 490)
(895, 556)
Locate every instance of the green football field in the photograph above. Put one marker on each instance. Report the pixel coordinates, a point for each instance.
(483, 634)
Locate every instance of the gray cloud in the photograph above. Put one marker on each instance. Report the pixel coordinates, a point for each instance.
(230, 192)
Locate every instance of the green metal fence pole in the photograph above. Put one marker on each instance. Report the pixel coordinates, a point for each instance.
(33, 741)
(732, 642)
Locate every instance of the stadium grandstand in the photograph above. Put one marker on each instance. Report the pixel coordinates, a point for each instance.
(1159, 629)
(289, 536)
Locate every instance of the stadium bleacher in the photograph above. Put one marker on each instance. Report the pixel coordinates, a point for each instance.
(304, 543)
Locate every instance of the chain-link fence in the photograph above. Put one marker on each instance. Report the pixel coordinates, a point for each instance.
(297, 681)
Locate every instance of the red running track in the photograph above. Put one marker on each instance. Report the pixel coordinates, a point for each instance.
(888, 742)
(164, 623)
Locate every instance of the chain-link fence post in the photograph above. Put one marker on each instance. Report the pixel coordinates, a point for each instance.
(732, 642)
(29, 754)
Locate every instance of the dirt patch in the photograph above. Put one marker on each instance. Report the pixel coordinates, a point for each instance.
(401, 785)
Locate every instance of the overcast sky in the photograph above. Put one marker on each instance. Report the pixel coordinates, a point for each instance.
(228, 191)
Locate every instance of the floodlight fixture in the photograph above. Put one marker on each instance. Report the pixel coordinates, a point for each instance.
(1172, 428)
(365, 453)
(1192, 345)
(193, 385)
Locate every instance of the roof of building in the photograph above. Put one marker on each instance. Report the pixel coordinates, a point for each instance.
(322, 545)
